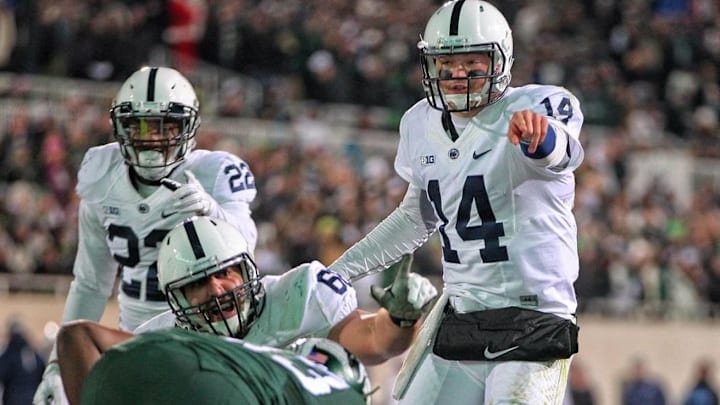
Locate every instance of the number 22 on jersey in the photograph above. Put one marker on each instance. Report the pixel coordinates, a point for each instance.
(134, 287)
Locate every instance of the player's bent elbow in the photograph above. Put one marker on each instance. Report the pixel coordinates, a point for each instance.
(72, 332)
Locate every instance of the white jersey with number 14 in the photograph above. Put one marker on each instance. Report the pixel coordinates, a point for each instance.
(507, 230)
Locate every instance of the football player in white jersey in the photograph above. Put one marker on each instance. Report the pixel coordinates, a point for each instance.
(212, 285)
(490, 167)
(134, 191)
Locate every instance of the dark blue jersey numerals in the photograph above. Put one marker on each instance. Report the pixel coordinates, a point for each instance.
(134, 287)
(332, 280)
(564, 109)
(241, 177)
(474, 195)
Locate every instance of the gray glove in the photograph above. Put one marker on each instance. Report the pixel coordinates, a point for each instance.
(50, 391)
(409, 295)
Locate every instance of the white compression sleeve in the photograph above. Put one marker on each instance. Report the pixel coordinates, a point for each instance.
(408, 227)
(84, 304)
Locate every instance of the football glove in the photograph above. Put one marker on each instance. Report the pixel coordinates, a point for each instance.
(190, 198)
(50, 391)
(408, 297)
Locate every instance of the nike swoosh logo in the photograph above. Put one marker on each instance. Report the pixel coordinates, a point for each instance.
(494, 355)
(165, 215)
(478, 155)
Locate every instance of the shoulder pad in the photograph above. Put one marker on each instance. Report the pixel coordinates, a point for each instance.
(205, 163)
(97, 168)
(533, 94)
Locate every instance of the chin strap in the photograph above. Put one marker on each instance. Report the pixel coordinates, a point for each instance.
(449, 127)
(137, 180)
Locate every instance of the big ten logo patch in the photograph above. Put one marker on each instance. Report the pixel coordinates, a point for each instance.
(427, 160)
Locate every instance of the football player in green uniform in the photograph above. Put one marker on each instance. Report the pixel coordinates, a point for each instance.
(101, 365)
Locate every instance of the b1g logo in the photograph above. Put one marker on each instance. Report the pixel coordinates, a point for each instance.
(110, 210)
(427, 160)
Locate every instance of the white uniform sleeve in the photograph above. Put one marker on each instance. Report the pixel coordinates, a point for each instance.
(94, 270)
(561, 151)
(407, 228)
(305, 301)
(233, 188)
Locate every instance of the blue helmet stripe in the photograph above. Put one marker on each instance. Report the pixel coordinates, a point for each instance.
(455, 18)
(194, 239)
(151, 84)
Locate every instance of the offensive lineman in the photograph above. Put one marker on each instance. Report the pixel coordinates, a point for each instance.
(491, 168)
(125, 210)
(213, 286)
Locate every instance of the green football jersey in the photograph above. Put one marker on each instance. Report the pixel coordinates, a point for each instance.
(182, 367)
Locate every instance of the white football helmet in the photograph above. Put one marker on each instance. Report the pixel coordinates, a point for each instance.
(466, 27)
(155, 119)
(194, 251)
(338, 360)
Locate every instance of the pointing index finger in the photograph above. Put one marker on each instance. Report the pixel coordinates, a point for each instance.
(403, 266)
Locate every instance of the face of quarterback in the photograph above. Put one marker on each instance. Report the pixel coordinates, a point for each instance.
(462, 74)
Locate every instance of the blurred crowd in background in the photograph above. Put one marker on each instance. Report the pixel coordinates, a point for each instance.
(647, 74)
(648, 66)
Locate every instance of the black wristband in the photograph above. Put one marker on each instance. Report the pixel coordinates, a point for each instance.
(403, 323)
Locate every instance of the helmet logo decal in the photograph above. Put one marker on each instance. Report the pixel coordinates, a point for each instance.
(151, 84)
(192, 235)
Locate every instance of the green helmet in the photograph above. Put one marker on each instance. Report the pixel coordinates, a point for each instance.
(338, 360)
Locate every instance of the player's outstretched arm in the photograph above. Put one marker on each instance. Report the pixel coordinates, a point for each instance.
(403, 231)
(377, 337)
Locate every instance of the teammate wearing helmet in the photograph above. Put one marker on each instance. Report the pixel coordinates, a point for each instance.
(133, 191)
(212, 285)
(490, 167)
(101, 365)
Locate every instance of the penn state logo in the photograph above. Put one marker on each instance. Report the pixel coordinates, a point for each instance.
(143, 208)
(454, 153)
